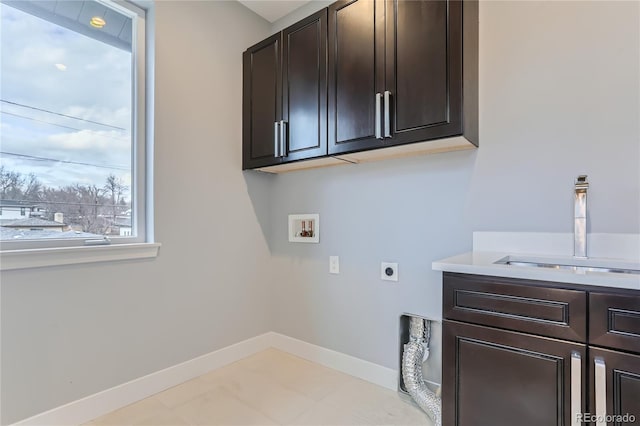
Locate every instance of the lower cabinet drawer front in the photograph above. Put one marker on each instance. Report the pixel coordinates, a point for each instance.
(503, 378)
(517, 305)
(614, 320)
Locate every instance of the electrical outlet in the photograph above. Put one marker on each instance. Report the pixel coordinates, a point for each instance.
(334, 264)
(389, 271)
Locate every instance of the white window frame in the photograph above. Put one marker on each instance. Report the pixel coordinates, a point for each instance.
(48, 252)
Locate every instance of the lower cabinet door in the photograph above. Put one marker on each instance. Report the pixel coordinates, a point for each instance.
(504, 378)
(614, 381)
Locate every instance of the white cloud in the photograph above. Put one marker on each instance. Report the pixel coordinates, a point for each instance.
(95, 86)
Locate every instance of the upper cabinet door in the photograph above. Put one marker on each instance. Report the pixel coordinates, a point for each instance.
(304, 87)
(262, 103)
(356, 73)
(423, 70)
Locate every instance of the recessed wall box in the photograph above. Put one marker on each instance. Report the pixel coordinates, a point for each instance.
(304, 228)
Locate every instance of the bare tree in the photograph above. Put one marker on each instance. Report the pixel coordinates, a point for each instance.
(91, 201)
(89, 208)
(63, 200)
(10, 184)
(115, 189)
(33, 188)
(81, 205)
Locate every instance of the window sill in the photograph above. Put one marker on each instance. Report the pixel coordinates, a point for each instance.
(37, 258)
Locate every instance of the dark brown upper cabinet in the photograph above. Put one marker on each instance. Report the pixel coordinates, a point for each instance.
(285, 95)
(262, 102)
(401, 72)
(356, 74)
(362, 75)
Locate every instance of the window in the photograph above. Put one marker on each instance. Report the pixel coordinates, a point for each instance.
(72, 115)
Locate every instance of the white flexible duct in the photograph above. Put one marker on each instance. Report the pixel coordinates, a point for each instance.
(412, 359)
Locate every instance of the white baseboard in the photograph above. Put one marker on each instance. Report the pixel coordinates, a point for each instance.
(365, 370)
(96, 405)
(374, 373)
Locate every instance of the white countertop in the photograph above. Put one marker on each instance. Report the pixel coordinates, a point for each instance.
(483, 263)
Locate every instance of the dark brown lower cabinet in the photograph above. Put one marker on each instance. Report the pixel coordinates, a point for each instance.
(614, 321)
(496, 377)
(519, 352)
(615, 381)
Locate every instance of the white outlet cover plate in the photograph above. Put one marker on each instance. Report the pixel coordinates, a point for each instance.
(383, 274)
(334, 264)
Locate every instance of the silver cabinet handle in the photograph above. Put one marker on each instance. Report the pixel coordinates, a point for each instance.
(276, 141)
(387, 114)
(576, 389)
(601, 390)
(378, 111)
(283, 138)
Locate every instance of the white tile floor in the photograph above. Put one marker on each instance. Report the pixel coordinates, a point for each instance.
(270, 388)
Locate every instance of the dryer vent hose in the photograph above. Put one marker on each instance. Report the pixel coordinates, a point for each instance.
(412, 359)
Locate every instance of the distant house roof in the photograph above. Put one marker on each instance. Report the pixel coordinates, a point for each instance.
(17, 203)
(26, 234)
(35, 222)
(123, 223)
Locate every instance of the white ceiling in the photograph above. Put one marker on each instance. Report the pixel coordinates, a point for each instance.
(272, 10)
(75, 15)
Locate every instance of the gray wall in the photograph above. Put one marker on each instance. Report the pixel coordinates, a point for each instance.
(71, 331)
(559, 96)
(300, 13)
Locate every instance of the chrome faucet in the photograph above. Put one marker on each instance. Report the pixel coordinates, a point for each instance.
(580, 218)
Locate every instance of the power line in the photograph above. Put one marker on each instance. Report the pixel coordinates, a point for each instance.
(60, 114)
(39, 121)
(70, 203)
(33, 157)
(58, 125)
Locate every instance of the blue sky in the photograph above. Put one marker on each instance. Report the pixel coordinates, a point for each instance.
(52, 68)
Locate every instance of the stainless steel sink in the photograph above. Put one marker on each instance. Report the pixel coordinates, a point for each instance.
(577, 265)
